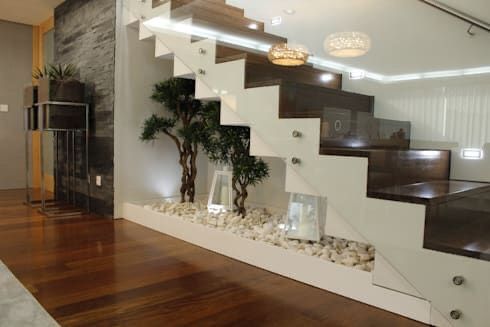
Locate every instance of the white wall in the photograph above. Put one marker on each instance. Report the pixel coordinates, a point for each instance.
(142, 171)
(445, 114)
(15, 73)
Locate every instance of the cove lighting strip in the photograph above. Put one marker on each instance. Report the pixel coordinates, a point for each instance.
(165, 24)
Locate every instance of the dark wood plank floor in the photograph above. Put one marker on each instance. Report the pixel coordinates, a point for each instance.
(100, 272)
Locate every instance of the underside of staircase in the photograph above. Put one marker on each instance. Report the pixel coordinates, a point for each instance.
(402, 200)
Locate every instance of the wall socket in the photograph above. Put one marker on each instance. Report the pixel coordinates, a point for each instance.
(4, 108)
(98, 180)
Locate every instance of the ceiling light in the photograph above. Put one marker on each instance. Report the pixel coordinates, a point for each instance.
(253, 26)
(163, 24)
(347, 44)
(276, 21)
(288, 55)
(326, 77)
(289, 11)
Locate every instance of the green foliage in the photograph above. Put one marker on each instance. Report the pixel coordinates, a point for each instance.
(56, 72)
(154, 126)
(182, 123)
(39, 73)
(230, 145)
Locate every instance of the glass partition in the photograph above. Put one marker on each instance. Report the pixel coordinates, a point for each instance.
(409, 192)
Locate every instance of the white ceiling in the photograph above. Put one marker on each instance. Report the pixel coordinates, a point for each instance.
(407, 36)
(30, 12)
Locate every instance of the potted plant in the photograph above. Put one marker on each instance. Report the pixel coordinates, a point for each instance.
(230, 146)
(57, 83)
(182, 124)
(31, 91)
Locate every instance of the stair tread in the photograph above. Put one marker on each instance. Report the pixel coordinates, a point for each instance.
(209, 15)
(430, 192)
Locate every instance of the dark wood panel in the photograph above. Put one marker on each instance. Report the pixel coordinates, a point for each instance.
(460, 223)
(99, 272)
(402, 167)
(392, 171)
(308, 101)
(215, 12)
(431, 193)
(345, 128)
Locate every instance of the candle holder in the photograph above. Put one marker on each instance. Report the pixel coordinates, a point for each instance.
(306, 217)
(221, 194)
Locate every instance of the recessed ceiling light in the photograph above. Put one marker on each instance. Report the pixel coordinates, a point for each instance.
(289, 11)
(253, 26)
(276, 20)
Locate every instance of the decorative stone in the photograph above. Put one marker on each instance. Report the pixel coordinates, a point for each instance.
(261, 225)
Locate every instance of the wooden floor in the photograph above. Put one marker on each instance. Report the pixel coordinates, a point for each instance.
(100, 272)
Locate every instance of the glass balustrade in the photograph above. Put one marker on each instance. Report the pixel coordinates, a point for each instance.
(405, 190)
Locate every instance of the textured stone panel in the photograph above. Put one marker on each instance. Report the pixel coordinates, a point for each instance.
(85, 35)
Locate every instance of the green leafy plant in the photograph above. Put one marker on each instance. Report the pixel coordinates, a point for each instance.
(182, 124)
(40, 73)
(60, 72)
(63, 72)
(230, 145)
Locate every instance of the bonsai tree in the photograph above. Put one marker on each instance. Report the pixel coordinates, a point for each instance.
(182, 125)
(230, 145)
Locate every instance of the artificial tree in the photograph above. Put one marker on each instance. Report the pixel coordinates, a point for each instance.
(183, 124)
(230, 146)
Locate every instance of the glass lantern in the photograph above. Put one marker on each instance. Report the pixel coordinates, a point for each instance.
(221, 194)
(306, 217)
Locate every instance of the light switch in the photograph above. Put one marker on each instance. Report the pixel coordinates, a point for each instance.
(4, 108)
(98, 180)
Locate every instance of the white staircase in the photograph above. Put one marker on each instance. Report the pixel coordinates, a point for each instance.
(396, 229)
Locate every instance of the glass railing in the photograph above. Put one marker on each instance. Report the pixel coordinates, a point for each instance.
(411, 225)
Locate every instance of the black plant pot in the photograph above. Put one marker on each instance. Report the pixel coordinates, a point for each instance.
(30, 95)
(61, 91)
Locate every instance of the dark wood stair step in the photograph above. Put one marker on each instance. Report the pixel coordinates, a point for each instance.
(258, 69)
(218, 17)
(214, 12)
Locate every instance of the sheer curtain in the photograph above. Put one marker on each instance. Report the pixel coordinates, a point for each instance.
(457, 114)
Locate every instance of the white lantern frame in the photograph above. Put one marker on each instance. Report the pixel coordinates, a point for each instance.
(296, 226)
(212, 204)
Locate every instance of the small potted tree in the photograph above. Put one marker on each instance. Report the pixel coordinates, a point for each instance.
(230, 146)
(182, 124)
(57, 83)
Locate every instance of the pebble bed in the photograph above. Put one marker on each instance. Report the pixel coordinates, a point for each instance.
(262, 225)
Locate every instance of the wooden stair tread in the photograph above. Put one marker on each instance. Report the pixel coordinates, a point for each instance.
(217, 6)
(430, 192)
(218, 17)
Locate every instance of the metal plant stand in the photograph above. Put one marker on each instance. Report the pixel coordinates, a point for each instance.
(60, 127)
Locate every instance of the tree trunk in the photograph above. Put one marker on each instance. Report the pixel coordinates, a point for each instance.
(191, 181)
(244, 195)
(236, 198)
(183, 180)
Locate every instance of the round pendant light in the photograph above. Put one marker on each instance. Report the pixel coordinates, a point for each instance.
(288, 55)
(347, 44)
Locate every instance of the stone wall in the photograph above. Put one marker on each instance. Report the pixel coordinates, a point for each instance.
(85, 35)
